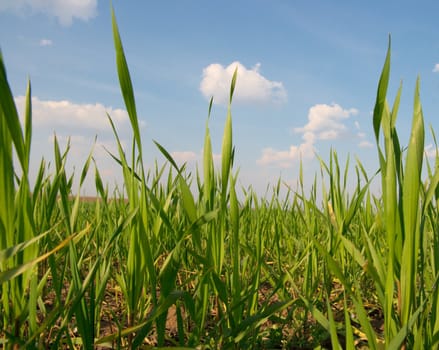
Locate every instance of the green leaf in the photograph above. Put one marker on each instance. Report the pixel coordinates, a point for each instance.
(27, 129)
(12, 251)
(381, 94)
(8, 111)
(125, 82)
(20, 269)
(411, 196)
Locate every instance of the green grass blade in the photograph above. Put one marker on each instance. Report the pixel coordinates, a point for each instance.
(125, 82)
(350, 344)
(411, 195)
(27, 129)
(9, 112)
(333, 329)
(381, 93)
(11, 251)
(18, 270)
(226, 151)
(226, 155)
(168, 156)
(208, 167)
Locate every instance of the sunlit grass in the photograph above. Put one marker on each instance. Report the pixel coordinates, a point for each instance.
(158, 264)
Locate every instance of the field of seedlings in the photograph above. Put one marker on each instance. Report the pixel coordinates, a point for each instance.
(190, 260)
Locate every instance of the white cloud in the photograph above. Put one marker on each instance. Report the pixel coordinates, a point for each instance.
(184, 156)
(79, 123)
(431, 151)
(193, 157)
(250, 87)
(46, 42)
(285, 159)
(66, 114)
(365, 144)
(80, 146)
(64, 10)
(325, 122)
(436, 68)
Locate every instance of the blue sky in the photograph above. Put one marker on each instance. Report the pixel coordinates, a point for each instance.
(307, 77)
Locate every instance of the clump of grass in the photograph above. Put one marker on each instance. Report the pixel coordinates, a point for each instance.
(157, 265)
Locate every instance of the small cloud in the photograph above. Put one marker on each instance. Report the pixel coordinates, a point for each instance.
(285, 159)
(436, 68)
(325, 122)
(191, 157)
(363, 143)
(80, 145)
(67, 114)
(64, 11)
(431, 151)
(251, 86)
(184, 156)
(46, 42)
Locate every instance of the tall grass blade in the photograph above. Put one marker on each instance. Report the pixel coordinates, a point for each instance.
(381, 94)
(411, 196)
(18, 270)
(125, 82)
(10, 115)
